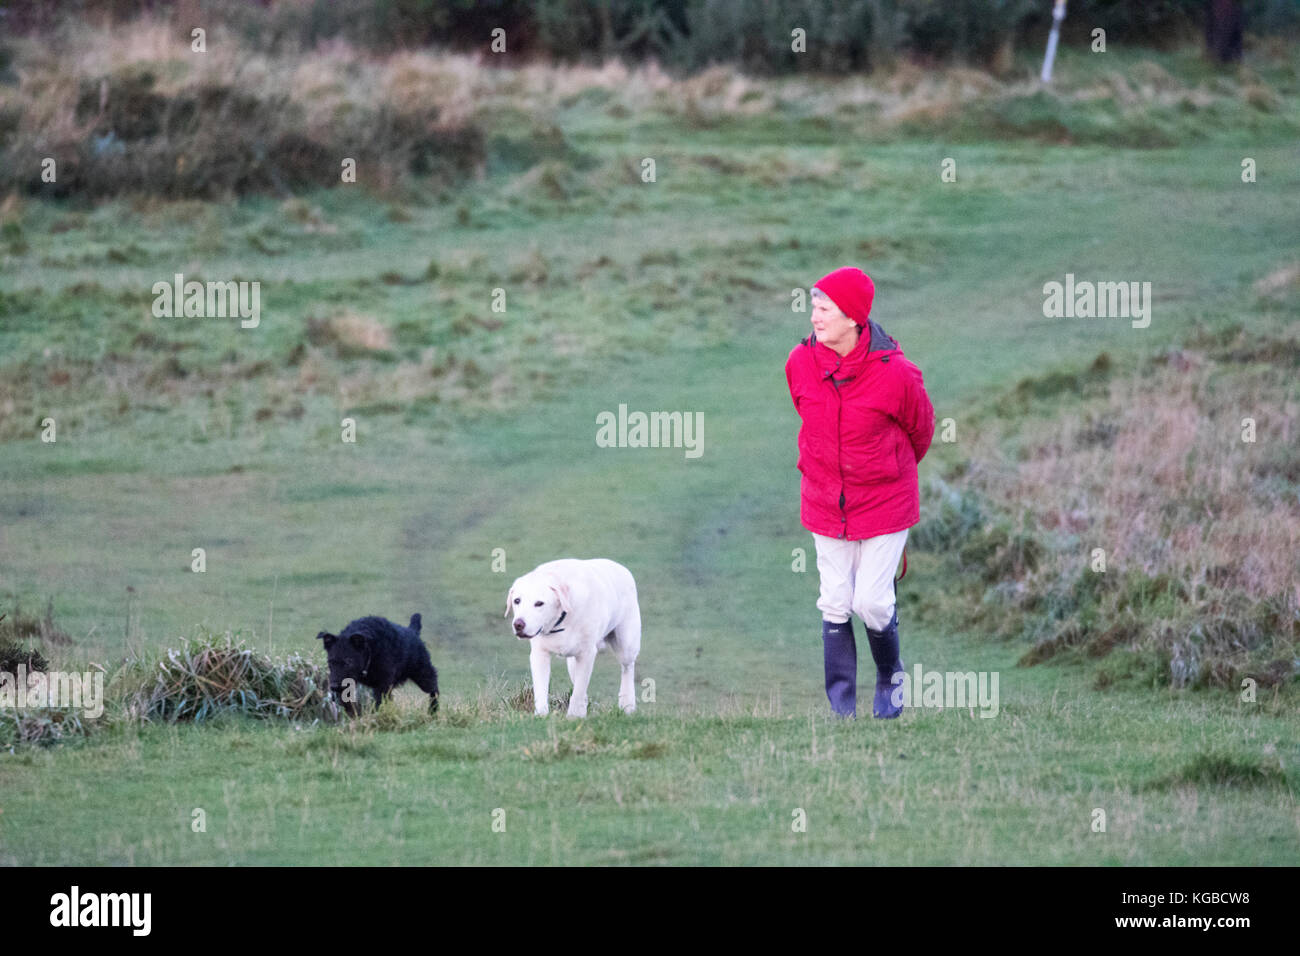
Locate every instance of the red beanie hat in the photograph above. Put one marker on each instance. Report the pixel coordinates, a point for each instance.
(852, 290)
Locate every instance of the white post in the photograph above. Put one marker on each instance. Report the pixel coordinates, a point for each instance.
(1058, 14)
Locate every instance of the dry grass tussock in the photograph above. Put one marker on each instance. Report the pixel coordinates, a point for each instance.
(1200, 528)
(423, 106)
(211, 676)
(216, 675)
(1160, 477)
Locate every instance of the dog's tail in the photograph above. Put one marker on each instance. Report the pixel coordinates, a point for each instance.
(415, 623)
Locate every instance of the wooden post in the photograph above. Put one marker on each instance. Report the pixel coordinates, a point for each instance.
(1058, 14)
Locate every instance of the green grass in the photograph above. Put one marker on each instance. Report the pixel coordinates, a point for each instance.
(689, 311)
(662, 787)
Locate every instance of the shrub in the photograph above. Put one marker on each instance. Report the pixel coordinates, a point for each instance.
(13, 655)
(121, 133)
(842, 34)
(948, 517)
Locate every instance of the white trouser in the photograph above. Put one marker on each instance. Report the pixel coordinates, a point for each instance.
(858, 577)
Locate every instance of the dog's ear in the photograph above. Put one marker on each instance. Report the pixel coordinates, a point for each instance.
(510, 596)
(328, 638)
(562, 592)
(358, 641)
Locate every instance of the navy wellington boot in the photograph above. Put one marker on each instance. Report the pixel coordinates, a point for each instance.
(884, 649)
(841, 655)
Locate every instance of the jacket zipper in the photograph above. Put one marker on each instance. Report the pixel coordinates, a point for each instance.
(839, 452)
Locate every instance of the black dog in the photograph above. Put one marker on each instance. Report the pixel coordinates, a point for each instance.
(379, 654)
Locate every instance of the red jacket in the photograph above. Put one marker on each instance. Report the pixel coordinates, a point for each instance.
(867, 423)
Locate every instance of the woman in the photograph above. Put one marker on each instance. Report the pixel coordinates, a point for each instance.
(866, 424)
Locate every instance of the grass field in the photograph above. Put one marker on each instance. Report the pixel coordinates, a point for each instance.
(476, 432)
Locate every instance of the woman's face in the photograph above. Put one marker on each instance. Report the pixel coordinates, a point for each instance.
(834, 329)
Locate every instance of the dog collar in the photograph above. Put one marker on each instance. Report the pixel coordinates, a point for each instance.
(562, 616)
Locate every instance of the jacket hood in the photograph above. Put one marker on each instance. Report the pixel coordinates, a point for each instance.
(873, 343)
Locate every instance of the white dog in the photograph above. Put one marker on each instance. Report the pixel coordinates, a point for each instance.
(577, 608)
